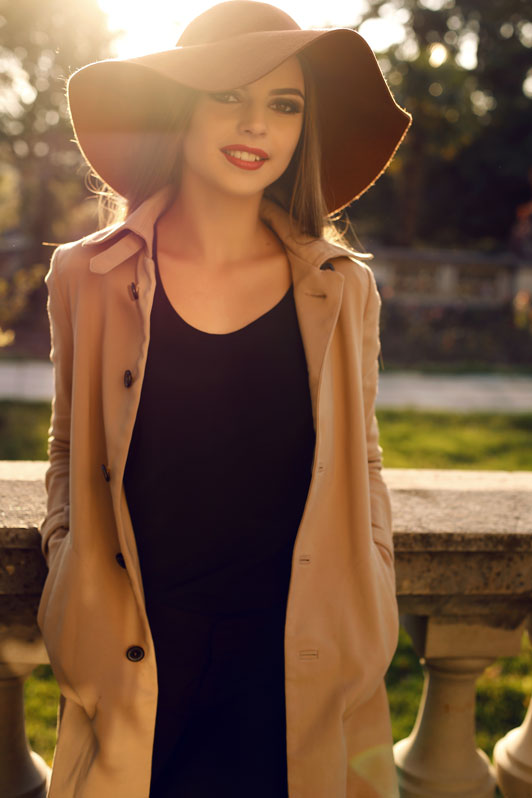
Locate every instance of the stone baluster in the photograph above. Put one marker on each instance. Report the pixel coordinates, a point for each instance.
(440, 759)
(512, 756)
(463, 553)
(23, 773)
(513, 760)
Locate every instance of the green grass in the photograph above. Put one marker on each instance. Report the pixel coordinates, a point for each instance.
(486, 441)
(409, 439)
(23, 430)
(41, 699)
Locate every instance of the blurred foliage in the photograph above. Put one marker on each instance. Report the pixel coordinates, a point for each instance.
(14, 294)
(417, 336)
(42, 193)
(523, 311)
(464, 70)
(462, 169)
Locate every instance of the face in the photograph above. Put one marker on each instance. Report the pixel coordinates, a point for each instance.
(241, 141)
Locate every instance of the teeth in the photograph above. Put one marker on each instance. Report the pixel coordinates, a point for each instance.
(244, 156)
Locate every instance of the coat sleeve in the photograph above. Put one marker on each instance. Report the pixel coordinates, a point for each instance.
(381, 515)
(386, 618)
(55, 525)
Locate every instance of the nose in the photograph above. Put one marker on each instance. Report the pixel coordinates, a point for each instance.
(252, 120)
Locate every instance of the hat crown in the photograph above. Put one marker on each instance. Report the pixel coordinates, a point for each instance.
(234, 18)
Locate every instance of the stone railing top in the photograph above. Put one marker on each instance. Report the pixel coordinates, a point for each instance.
(465, 510)
(473, 509)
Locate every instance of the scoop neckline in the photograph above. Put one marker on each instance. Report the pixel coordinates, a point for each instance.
(160, 284)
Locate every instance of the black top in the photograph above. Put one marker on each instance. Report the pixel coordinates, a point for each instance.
(220, 460)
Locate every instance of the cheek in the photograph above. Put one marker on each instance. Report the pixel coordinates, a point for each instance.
(291, 136)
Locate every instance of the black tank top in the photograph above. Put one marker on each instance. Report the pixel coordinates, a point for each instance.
(220, 460)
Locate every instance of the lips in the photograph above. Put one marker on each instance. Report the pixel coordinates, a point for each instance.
(245, 157)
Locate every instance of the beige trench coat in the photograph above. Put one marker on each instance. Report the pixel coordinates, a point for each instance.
(341, 621)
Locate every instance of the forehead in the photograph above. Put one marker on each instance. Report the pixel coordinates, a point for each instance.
(287, 75)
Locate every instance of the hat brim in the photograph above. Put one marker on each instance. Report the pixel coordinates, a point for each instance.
(114, 103)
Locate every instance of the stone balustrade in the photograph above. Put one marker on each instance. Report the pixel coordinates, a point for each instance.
(463, 543)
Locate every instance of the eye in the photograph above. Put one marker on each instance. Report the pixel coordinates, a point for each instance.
(224, 96)
(285, 106)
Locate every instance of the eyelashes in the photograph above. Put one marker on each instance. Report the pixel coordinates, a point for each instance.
(282, 105)
(224, 96)
(288, 106)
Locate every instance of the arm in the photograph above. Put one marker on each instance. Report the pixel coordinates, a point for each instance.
(381, 515)
(387, 618)
(55, 524)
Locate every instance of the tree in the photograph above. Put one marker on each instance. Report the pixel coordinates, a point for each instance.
(41, 181)
(462, 169)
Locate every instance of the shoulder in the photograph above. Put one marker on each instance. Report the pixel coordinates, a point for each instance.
(73, 259)
(67, 257)
(358, 276)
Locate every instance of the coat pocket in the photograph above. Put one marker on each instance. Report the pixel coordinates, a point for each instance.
(56, 615)
(56, 548)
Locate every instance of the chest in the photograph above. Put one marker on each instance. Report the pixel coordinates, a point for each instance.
(220, 301)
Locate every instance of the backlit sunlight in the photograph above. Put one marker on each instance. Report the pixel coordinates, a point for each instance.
(157, 26)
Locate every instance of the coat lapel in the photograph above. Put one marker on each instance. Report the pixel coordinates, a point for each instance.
(318, 296)
(317, 292)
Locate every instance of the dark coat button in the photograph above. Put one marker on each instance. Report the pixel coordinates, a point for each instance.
(327, 265)
(128, 378)
(120, 560)
(135, 653)
(106, 473)
(133, 290)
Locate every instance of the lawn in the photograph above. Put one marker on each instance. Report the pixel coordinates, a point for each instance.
(409, 439)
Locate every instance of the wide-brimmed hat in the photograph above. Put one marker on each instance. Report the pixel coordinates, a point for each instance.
(113, 103)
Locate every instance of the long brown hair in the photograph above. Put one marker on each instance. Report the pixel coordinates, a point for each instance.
(298, 190)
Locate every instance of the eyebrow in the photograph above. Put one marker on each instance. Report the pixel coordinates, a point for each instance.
(288, 91)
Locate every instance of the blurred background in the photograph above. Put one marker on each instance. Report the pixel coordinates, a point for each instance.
(450, 223)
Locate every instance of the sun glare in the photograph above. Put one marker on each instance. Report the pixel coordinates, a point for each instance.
(142, 31)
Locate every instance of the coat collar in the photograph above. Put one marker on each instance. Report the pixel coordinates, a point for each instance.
(137, 231)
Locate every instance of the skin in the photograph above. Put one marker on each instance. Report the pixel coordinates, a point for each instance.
(221, 267)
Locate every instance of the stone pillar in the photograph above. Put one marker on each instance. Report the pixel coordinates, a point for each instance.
(513, 760)
(512, 756)
(439, 759)
(23, 773)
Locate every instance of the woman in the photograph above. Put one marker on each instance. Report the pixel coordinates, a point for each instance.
(220, 605)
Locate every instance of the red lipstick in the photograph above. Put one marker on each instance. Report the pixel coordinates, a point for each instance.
(240, 162)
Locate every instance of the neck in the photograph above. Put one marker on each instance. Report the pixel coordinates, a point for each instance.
(212, 229)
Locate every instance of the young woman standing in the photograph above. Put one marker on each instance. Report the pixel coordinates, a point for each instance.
(220, 605)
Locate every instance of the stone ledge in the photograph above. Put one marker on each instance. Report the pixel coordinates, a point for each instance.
(442, 519)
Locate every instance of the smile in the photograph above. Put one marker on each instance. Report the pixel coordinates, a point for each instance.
(245, 158)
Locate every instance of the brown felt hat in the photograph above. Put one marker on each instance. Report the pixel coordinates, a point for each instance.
(114, 103)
